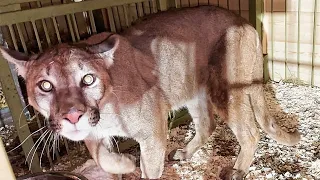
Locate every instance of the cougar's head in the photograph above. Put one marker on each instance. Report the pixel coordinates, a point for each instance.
(68, 84)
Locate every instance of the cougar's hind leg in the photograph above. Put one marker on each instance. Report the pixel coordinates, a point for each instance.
(241, 122)
(199, 109)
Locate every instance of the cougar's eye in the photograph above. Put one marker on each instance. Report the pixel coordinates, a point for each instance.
(45, 86)
(88, 79)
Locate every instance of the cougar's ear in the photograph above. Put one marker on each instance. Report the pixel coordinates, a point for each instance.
(106, 48)
(17, 58)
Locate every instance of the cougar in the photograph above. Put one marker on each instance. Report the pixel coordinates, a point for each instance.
(205, 58)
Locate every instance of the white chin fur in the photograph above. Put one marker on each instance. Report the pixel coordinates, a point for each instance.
(76, 132)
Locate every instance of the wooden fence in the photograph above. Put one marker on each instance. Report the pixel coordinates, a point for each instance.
(288, 30)
(292, 28)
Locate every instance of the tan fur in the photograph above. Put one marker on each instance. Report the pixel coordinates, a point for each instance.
(204, 58)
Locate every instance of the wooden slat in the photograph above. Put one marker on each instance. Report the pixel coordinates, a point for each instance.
(62, 23)
(23, 29)
(298, 47)
(116, 18)
(185, 3)
(70, 25)
(154, 6)
(7, 36)
(58, 10)
(214, 2)
(177, 3)
(13, 37)
(223, 4)
(6, 171)
(203, 2)
(39, 26)
(244, 5)
(146, 7)
(56, 29)
(47, 24)
(126, 15)
(105, 19)
(75, 26)
(111, 20)
(122, 17)
(285, 35)
(23, 42)
(193, 3)
(133, 12)
(239, 3)
(234, 5)
(14, 102)
(140, 9)
(92, 23)
(10, 2)
(313, 42)
(37, 36)
(10, 8)
(163, 5)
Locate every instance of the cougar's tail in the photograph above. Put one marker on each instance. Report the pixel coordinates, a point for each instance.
(268, 123)
(262, 114)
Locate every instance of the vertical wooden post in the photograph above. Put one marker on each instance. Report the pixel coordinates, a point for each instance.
(163, 5)
(14, 103)
(6, 171)
(256, 9)
(256, 14)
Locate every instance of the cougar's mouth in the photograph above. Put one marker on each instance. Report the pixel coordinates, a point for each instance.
(79, 130)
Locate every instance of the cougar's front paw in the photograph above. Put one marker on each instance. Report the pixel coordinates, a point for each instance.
(232, 174)
(119, 164)
(177, 155)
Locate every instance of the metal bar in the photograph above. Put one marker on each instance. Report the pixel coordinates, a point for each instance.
(37, 36)
(13, 37)
(59, 10)
(56, 29)
(314, 40)
(92, 22)
(75, 26)
(23, 42)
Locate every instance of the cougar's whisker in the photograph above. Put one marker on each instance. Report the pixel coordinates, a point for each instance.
(37, 142)
(21, 114)
(26, 139)
(44, 146)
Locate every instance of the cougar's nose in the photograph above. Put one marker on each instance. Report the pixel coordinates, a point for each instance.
(73, 115)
